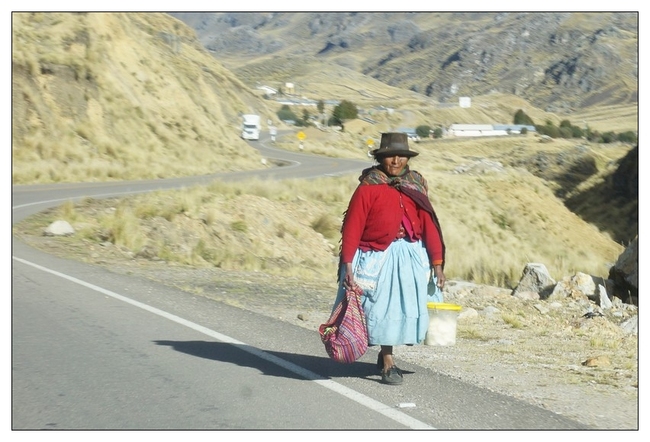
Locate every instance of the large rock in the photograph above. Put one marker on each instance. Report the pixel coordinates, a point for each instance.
(535, 278)
(578, 286)
(625, 274)
(582, 286)
(59, 228)
(631, 326)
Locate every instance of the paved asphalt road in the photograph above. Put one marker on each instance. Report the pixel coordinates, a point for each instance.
(98, 351)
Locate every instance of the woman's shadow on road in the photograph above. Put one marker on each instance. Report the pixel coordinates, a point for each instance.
(281, 364)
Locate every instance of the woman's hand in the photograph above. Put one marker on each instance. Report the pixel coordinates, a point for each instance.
(348, 281)
(440, 276)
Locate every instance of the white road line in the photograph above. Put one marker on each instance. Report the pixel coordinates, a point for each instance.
(362, 399)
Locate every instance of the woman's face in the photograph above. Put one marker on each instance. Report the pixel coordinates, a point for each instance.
(394, 165)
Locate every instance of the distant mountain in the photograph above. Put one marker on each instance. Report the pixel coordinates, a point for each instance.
(559, 62)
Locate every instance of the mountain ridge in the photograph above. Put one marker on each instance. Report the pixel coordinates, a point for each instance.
(560, 62)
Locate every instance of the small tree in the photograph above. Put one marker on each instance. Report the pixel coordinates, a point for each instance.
(305, 117)
(333, 121)
(548, 129)
(345, 110)
(320, 106)
(608, 137)
(576, 132)
(522, 118)
(285, 113)
(423, 131)
(552, 131)
(627, 137)
(437, 132)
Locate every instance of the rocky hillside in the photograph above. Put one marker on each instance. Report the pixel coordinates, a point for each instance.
(619, 192)
(557, 61)
(99, 96)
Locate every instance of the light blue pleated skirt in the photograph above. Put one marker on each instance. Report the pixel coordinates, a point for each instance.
(395, 296)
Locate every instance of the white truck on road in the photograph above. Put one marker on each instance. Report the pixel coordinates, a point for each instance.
(251, 127)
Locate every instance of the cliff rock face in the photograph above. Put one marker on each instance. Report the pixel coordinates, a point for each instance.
(625, 181)
(625, 274)
(556, 61)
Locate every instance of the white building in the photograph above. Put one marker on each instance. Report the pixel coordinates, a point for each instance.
(486, 130)
(471, 130)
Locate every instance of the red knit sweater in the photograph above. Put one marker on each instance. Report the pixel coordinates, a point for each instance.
(373, 219)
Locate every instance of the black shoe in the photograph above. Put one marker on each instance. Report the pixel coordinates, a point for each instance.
(393, 376)
(380, 362)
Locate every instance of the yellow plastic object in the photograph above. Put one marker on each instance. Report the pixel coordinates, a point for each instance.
(443, 306)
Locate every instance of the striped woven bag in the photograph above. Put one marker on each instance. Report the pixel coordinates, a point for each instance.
(345, 335)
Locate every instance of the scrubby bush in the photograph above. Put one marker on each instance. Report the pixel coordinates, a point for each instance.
(345, 110)
(522, 118)
(285, 113)
(627, 137)
(576, 132)
(608, 137)
(567, 130)
(423, 131)
(304, 121)
(548, 129)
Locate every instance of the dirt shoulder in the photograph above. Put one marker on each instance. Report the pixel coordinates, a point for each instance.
(548, 355)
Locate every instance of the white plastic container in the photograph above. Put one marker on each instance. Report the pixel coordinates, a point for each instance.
(442, 323)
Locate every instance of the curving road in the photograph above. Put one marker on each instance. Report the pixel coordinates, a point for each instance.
(92, 350)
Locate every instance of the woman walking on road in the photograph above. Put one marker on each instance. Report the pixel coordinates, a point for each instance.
(391, 245)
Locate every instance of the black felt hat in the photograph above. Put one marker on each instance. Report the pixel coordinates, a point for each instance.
(394, 143)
